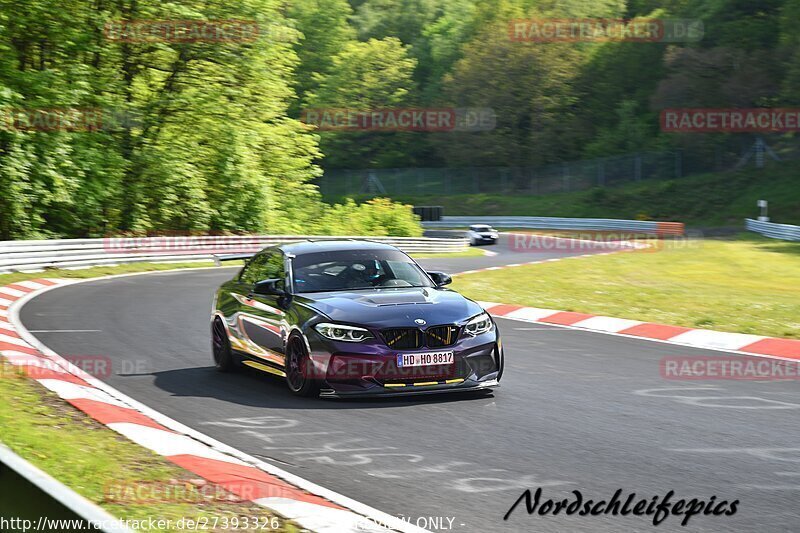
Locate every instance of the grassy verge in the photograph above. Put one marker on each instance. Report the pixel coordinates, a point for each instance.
(95, 272)
(90, 458)
(703, 200)
(747, 285)
(469, 252)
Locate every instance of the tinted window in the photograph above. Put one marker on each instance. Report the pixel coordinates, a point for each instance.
(356, 269)
(266, 265)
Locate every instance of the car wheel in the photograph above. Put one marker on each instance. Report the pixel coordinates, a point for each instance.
(299, 369)
(221, 347)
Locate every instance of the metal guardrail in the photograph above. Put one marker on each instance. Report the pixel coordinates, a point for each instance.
(33, 498)
(76, 253)
(785, 232)
(592, 224)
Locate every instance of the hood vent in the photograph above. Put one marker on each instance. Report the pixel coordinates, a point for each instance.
(381, 300)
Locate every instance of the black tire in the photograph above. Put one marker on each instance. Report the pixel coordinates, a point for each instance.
(299, 371)
(221, 347)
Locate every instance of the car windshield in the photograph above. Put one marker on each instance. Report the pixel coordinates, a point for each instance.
(356, 269)
(481, 228)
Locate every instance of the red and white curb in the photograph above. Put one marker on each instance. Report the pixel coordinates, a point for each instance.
(307, 504)
(758, 345)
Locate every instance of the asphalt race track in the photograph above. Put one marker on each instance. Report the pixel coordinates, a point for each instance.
(576, 411)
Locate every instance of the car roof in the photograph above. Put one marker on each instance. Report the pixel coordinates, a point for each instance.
(312, 246)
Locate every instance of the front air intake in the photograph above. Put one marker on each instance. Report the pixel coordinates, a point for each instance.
(402, 338)
(438, 336)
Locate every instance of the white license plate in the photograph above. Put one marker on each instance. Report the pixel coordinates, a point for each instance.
(424, 359)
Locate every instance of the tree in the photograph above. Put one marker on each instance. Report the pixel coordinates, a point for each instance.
(203, 140)
(527, 87)
(366, 76)
(631, 133)
(325, 31)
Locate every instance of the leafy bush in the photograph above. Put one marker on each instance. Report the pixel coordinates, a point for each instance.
(378, 216)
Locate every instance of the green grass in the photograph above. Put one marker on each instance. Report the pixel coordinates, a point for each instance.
(88, 457)
(95, 272)
(747, 285)
(469, 252)
(719, 199)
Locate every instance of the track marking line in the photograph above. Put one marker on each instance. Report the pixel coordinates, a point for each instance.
(360, 515)
(65, 330)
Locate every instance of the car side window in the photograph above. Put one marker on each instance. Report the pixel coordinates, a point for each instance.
(248, 275)
(405, 271)
(267, 265)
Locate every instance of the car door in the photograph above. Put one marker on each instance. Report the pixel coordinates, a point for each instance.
(261, 320)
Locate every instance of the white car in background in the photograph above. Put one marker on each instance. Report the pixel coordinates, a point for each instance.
(481, 234)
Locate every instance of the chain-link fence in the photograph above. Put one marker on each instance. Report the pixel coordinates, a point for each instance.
(562, 177)
(549, 179)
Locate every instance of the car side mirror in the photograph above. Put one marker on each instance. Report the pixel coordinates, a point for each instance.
(268, 287)
(440, 278)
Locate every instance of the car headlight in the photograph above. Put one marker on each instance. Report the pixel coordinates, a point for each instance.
(340, 332)
(480, 324)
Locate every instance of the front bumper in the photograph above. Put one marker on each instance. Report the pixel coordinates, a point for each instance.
(414, 390)
(370, 368)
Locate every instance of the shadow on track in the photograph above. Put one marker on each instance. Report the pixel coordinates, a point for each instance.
(255, 389)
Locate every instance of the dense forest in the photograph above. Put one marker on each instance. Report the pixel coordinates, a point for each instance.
(206, 134)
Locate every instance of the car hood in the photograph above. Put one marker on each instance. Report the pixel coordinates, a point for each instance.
(393, 307)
